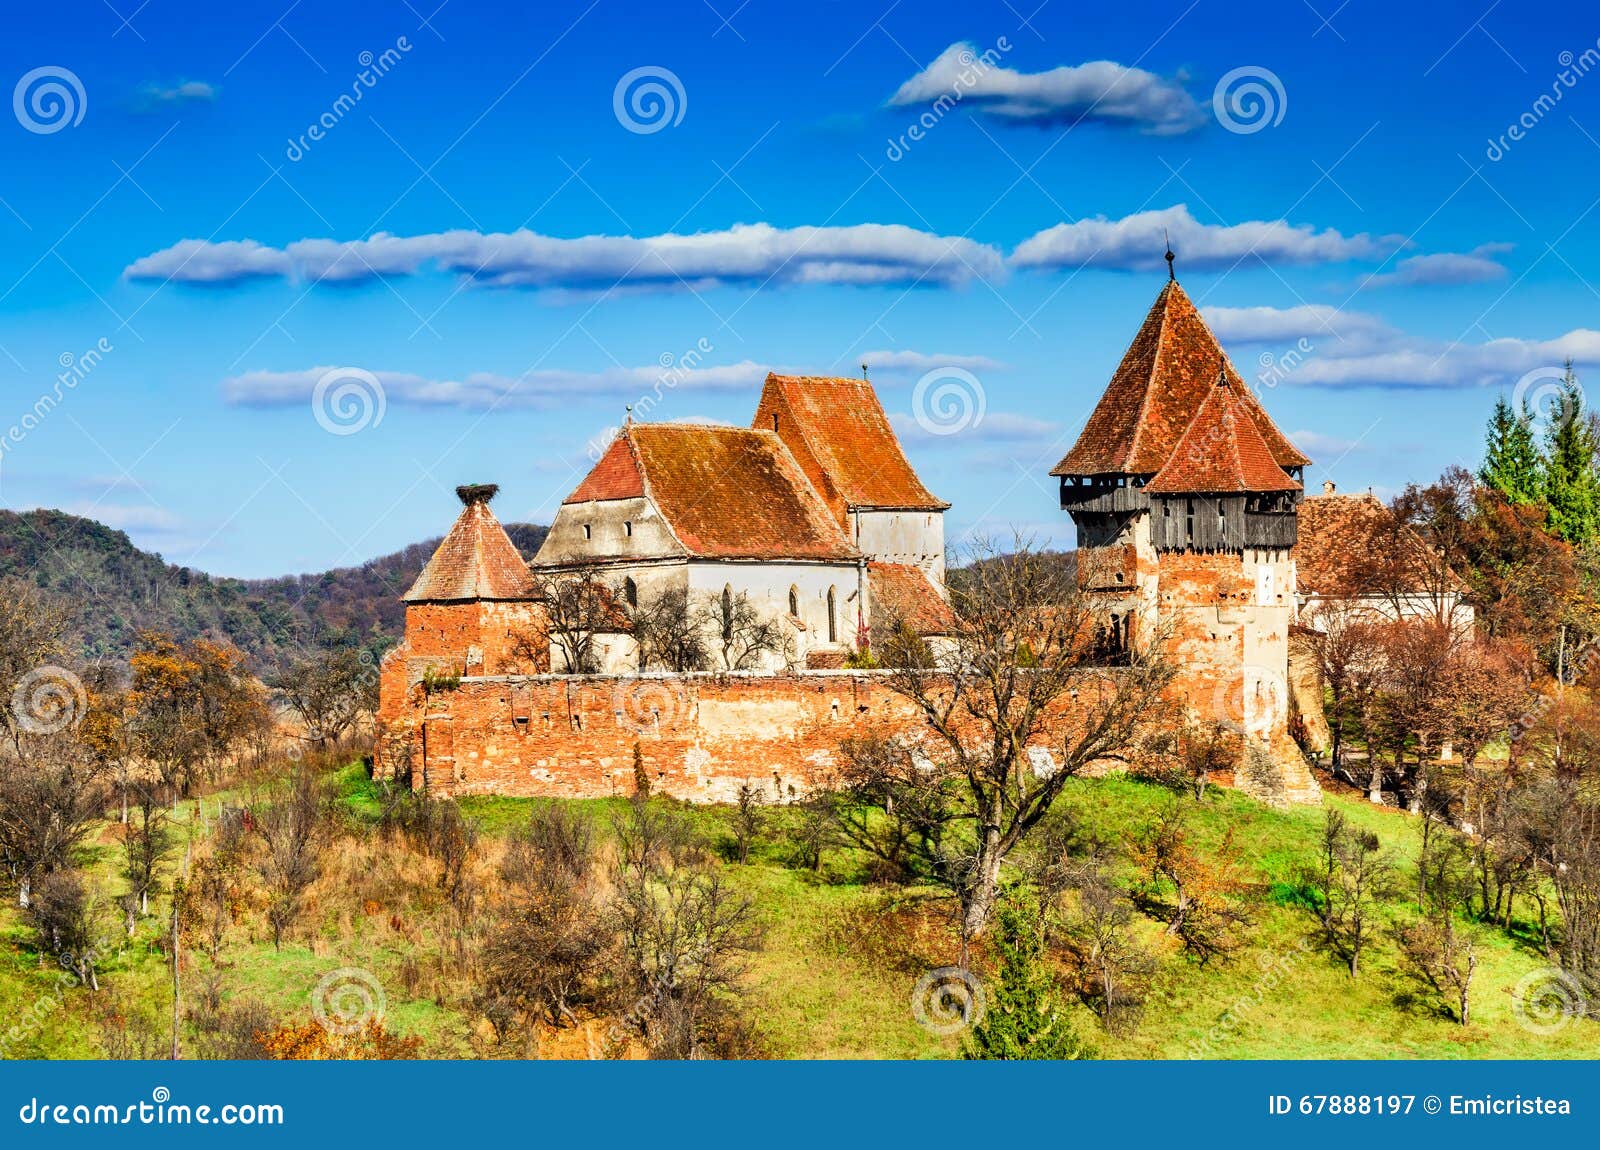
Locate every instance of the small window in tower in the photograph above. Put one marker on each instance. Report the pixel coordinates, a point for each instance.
(588, 533)
(627, 527)
(833, 616)
(630, 592)
(794, 601)
(774, 421)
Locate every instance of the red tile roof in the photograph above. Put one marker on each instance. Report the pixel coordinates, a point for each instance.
(840, 435)
(903, 592)
(725, 492)
(476, 560)
(1169, 368)
(616, 476)
(1221, 451)
(1353, 545)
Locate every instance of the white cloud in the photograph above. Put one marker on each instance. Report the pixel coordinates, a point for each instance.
(541, 388)
(1099, 90)
(1476, 266)
(744, 254)
(189, 92)
(909, 361)
(1139, 242)
(1350, 349)
(1353, 330)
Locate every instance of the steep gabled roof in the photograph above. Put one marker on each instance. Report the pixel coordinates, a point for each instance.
(1221, 451)
(476, 560)
(1168, 369)
(1351, 545)
(724, 492)
(840, 435)
(615, 476)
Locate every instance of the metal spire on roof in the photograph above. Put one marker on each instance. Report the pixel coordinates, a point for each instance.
(864, 376)
(628, 418)
(1172, 275)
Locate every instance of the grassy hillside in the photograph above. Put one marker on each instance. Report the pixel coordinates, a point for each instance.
(118, 589)
(841, 957)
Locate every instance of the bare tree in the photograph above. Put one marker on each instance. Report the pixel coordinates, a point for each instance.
(1012, 680)
(578, 606)
(291, 829)
(686, 936)
(330, 691)
(64, 917)
(742, 634)
(748, 819)
(1440, 950)
(49, 799)
(1116, 966)
(668, 633)
(1363, 878)
(146, 841)
(546, 951)
(33, 631)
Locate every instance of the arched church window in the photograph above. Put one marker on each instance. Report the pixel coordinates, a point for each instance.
(833, 616)
(630, 592)
(727, 612)
(794, 601)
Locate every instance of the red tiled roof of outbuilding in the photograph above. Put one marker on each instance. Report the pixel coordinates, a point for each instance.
(904, 592)
(1168, 369)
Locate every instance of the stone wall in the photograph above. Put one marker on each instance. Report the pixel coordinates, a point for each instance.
(701, 735)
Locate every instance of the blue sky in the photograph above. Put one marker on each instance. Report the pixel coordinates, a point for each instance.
(488, 243)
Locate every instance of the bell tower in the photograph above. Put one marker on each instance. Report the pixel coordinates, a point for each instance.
(1184, 496)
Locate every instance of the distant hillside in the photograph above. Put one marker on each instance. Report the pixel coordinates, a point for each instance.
(117, 590)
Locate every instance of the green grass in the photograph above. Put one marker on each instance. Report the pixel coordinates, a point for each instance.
(839, 967)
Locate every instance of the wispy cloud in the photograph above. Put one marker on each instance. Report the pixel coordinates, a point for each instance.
(1353, 349)
(754, 254)
(1138, 242)
(481, 390)
(910, 361)
(1100, 91)
(1444, 268)
(153, 96)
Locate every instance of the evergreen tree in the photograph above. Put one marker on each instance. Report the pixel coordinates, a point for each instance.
(1570, 488)
(1024, 1016)
(1512, 464)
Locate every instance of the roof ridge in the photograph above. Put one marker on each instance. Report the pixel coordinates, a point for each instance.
(1164, 302)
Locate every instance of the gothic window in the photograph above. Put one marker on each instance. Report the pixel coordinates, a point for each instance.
(833, 616)
(794, 601)
(1188, 523)
(630, 592)
(727, 613)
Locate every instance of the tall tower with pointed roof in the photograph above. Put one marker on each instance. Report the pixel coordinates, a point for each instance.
(1184, 494)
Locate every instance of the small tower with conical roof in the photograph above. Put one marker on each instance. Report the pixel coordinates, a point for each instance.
(469, 612)
(1184, 495)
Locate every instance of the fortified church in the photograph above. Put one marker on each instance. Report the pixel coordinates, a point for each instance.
(1184, 493)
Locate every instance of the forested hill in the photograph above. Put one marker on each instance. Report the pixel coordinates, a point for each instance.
(114, 590)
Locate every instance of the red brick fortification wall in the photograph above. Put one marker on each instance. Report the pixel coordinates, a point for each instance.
(701, 736)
